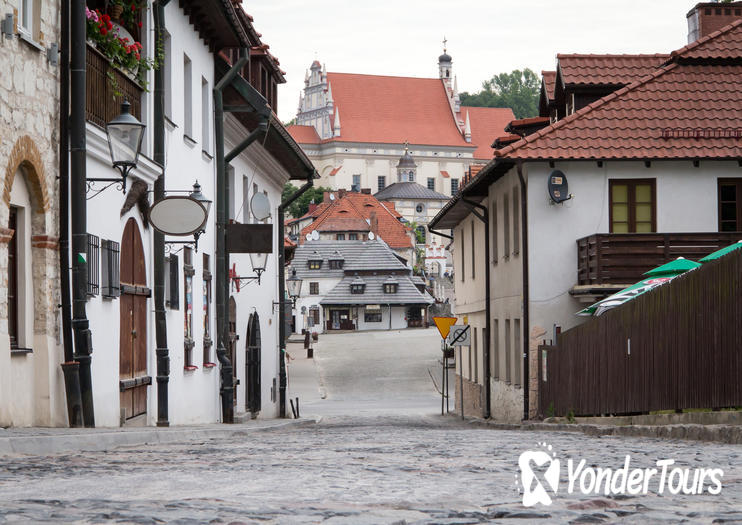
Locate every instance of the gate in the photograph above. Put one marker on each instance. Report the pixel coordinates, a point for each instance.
(252, 365)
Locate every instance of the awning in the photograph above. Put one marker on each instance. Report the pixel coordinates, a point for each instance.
(719, 253)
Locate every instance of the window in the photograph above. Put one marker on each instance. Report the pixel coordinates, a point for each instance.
(632, 205)
(245, 200)
(313, 316)
(730, 205)
(411, 176)
(27, 18)
(352, 236)
(454, 186)
(314, 288)
(314, 264)
(13, 274)
(231, 180)
(420, 232)
(473, 252)
(506, 227)
(207, 309)
(493, 229)
(187, 97)
(372, 315)
(168, 84)
(463, 258)
(495, 354)
(516, 222)
(93, 264)
(420, 208)
(508, 350)
(172, 283)
(339, 237)
(110, 285)
(518, 352)
(336, 264)
(381, 181)
(206, 119)
(357, 288)
(356, 183)
(431, 183)
(390, 287)
(188, 273)
(476, 356)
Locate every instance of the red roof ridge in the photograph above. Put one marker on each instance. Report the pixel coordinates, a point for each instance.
(612, 55)
(380, 76)
(704, 39)
(587, 109)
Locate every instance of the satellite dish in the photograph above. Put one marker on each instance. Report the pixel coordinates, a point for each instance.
(332, 196)
(371, 236)
(315, 235)
(178, 215)
(558, 187)
(309, 236)
(260, 206)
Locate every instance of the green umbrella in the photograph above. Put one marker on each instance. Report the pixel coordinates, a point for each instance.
(656, 277)
(723, 251)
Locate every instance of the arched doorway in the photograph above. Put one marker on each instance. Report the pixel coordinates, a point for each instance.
(252, 365)
(133, 325)
(233, 344)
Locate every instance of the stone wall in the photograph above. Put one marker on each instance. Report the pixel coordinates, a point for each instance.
(473, 398)
(29, 144)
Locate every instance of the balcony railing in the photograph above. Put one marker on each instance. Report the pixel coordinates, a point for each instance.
(106, 87)
(622, 258)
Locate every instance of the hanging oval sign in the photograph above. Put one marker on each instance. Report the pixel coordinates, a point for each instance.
(178, 215)
(260, 206)
(558, 188)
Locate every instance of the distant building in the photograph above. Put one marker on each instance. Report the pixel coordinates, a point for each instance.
(354, 128)
(356, 285)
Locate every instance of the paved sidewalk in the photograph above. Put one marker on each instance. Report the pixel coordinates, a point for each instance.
(44, 441)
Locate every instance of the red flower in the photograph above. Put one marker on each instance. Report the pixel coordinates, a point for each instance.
(137, 56)
(103, 31)
(106, 18)
(109, 26)
(139, 24)
(133, 7)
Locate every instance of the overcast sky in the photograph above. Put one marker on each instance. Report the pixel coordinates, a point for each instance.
(485, 37)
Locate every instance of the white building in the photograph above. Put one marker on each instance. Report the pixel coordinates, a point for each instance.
(641, 190)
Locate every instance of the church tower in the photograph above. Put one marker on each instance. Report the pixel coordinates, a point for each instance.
(316, 106)
(445, 66)
(406, 167)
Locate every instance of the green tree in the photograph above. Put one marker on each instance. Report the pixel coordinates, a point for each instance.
(301, 205)
(518, 90)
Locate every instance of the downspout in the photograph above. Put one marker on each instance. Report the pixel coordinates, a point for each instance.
(222, 259)
(526, 296)
(484, 217)
(70, 368)
(282, 293)
(162, 352)
(436, 232)
(78, 205)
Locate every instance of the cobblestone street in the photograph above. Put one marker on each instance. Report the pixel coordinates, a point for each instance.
(402, 466)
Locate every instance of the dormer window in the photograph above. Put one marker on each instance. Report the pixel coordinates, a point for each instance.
(336, 264)
(358, 286)
(314, 264)
(390, 287)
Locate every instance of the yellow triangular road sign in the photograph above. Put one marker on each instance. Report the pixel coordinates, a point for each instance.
(444, 324)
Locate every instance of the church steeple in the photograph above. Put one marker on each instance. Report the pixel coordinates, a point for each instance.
(406, 167)
(445, 65)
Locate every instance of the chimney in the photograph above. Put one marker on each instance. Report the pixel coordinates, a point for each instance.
(374, 223)
(707, 17)
(366, 191)
(326, 197)
(341, 193)
(312, 207)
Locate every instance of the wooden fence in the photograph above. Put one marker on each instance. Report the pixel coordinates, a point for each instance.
(106, 88)
(678, 346)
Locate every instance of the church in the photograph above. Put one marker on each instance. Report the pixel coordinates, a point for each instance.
(366, 131)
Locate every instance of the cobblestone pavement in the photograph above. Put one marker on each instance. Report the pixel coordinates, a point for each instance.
(379, 454)
(350, 470)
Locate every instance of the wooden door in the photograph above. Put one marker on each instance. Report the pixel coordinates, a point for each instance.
(730, 205)
(252, 365)
(232, 341)
(133, 378)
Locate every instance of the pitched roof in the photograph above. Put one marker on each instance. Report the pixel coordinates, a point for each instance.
(486, 123)
(409, 190)
(360, 206)
(343, 224)
(407, 292)
(358, 256)
(602, 70)
(690, 108)
(548, 79)
(387, 109)
(304, 134)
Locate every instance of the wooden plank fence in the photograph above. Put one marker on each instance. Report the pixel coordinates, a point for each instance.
(678, 346)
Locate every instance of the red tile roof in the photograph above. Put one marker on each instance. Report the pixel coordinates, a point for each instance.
(304, 134)
(549, 81)
(600, 70)
(288, 243)
(353, 209)
(445, 174)
(690, 108)
(485, 124)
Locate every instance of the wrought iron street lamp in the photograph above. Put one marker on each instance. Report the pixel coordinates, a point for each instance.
(125, 135)
(293, 284)
(196, 195)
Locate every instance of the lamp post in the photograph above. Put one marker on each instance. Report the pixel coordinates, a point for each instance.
(125, 134)
(196, 195)
(294, 287)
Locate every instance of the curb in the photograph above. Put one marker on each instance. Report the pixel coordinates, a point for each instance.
(729, 434)
(98, 440)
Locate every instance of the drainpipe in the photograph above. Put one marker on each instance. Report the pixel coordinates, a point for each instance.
(484, 217)
(282, 293)
(78, 205)
(436, 232)
(70, 368)
(526, 296)
(162, 352)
